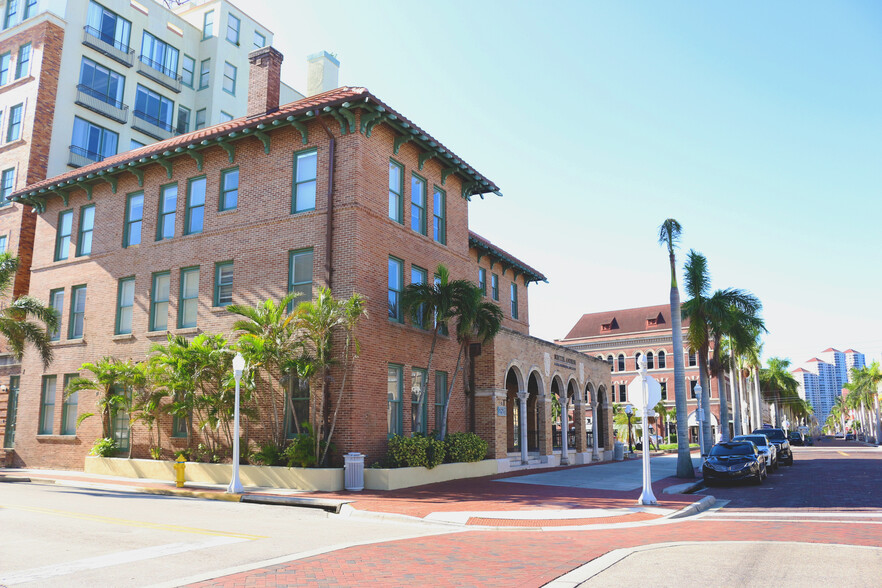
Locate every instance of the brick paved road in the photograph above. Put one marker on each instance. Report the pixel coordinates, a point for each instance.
(823, 482)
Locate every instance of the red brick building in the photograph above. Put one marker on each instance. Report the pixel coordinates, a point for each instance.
(620, 337)
(336, 190)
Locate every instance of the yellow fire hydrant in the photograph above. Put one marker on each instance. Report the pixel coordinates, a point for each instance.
(180, 464)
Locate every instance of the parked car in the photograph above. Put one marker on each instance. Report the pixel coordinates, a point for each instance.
(809, 440)
(796, 438)
(779, 438)
(839, 435)
(849, 436)
(732, 461)
(768, 449)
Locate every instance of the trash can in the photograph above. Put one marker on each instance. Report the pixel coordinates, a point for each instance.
(354, 471)
(619, 451)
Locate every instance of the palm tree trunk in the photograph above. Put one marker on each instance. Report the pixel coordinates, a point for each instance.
(721, 388)
(339, 398)
(736, 396)
(757, 401)
(705, 398)
(450, 389)
(685, 468)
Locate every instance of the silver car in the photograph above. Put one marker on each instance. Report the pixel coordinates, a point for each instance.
(766, 447)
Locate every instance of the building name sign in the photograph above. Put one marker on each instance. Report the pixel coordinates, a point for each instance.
(564, 362)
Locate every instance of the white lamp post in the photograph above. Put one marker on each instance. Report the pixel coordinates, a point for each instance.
(699, 412)
(235, 486)
(647, 496)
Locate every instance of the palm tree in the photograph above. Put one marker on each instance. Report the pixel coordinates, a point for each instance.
(476, 320)
(439, 301)
(867, 381)
(16, 324)
(778, 384)
(318, 321)
(268, 342)
(698, 312)
(669, 236)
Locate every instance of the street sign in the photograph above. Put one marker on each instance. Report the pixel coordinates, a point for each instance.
(635, 391)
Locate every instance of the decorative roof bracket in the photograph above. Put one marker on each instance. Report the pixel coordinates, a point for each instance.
(300, 127)
(369, 120)
(399, 141)
(349, 116)
(446, 172)
(230, 149)
(167, 164)
(197, 157)
(265, 139)
(138, 173)
(112, 180)
(426, 156)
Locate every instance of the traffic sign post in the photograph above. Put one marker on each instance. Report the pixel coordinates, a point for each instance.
(648, 390)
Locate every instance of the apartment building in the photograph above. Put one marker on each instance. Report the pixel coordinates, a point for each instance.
(338, 190)
(620, 337)
(821, 378)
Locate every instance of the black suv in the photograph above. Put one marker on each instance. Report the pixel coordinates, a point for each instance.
(779, 438)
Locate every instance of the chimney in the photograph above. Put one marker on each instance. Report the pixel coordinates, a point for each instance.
(264, 80)
(322, 73)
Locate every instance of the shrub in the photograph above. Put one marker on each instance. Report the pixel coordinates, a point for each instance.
(268, 454)
(105, 447)
(464, 447)
(184, 452)
(156, 453)
(301, 452)
(416, 451)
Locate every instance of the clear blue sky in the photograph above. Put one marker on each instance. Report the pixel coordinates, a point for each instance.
(758, 125)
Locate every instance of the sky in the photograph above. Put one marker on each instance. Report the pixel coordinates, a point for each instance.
(757, 125)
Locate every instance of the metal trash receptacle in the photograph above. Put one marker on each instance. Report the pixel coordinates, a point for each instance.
(353, 464)
(619, 451)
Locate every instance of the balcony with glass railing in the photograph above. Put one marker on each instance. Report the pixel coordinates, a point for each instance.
(152, 126)
(159, 73)
(108, 46)
(101, 103)
(80, 156)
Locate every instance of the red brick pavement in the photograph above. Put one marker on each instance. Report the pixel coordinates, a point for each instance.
(496, 522)
(517, 558)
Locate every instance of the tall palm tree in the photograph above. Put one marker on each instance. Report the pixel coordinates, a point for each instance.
(778, 385)
(476, 320)
(437, 300)
(669, 236)
(16, 319)
(699, 313)
(868, 380)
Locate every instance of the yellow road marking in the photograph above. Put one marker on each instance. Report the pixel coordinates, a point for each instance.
(131, 523)
(842, 453)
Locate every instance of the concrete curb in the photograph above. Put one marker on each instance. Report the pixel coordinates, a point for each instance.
(694, 508)
(13, 479)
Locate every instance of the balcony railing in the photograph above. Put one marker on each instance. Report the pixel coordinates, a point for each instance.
(80, 156)
(101, 43)
(159, 73)
(150, 125)
(102, 104)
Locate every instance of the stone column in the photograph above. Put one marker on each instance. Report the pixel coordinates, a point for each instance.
(564, 430)
(522, 424)
(595, 450)
(543, 407)
(581, 429)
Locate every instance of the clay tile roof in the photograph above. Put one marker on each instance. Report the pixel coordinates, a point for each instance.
(815, 359)
(332, 98)
(629, 320)
(478, 242)
(801, 371)
(829, 349)
(851, 351)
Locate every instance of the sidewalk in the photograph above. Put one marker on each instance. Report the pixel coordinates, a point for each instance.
(572, 497)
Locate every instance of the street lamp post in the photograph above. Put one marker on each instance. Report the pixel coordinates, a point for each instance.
(699, 412)
(646, 496)
(235, 486)
(629, 411)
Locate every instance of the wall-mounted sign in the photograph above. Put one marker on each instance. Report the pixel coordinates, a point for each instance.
(500, 411)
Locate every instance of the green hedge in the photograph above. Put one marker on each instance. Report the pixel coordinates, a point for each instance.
(464, 447)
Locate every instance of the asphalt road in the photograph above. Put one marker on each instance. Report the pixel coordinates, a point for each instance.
(65, 536)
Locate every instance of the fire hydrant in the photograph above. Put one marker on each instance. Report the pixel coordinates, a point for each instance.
(180, 464)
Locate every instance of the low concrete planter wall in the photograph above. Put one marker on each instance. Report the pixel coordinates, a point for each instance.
(395, 478)
(325, 479)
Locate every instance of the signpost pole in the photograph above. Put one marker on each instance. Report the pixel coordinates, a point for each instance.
(646, 497)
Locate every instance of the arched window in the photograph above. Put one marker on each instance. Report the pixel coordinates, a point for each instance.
(661, 359)
(637, 360)
(650, 364)
(610, 360)
(693, 359)
(621, 362)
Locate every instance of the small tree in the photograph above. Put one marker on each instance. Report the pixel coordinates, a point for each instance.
(16, 325)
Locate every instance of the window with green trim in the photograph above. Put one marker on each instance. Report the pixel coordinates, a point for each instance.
(396, 285)
(183, 120)
(233, 24)
(13, 130)
(11, 13)
(208, 25)
(514, 300)
(195, 216)
(188, 71)
(168, 205)
(482, 280)
(77, 312)
(204, 74)
(440, 396)
(180, 417)
(494, 286)
(396, 189)
(134, 217)
(259, 40)
(5, 62)
(225, 116)
(418, 204)
(229, 196)
(47, 405)
(394, 391)
(300, 275)
(298, 390)
(223, 283)
(87, 226)
(189, 300)
(230, 73)
(439, 216)
(56, 303)
(29, 9)
(3, 240)
(23, 66)
(7, 184)
(62, 235)
(69, 408)
(419, 404)
(305, 173)
(159, 294)
(201, 118)
(419, 276)
(125, 303)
